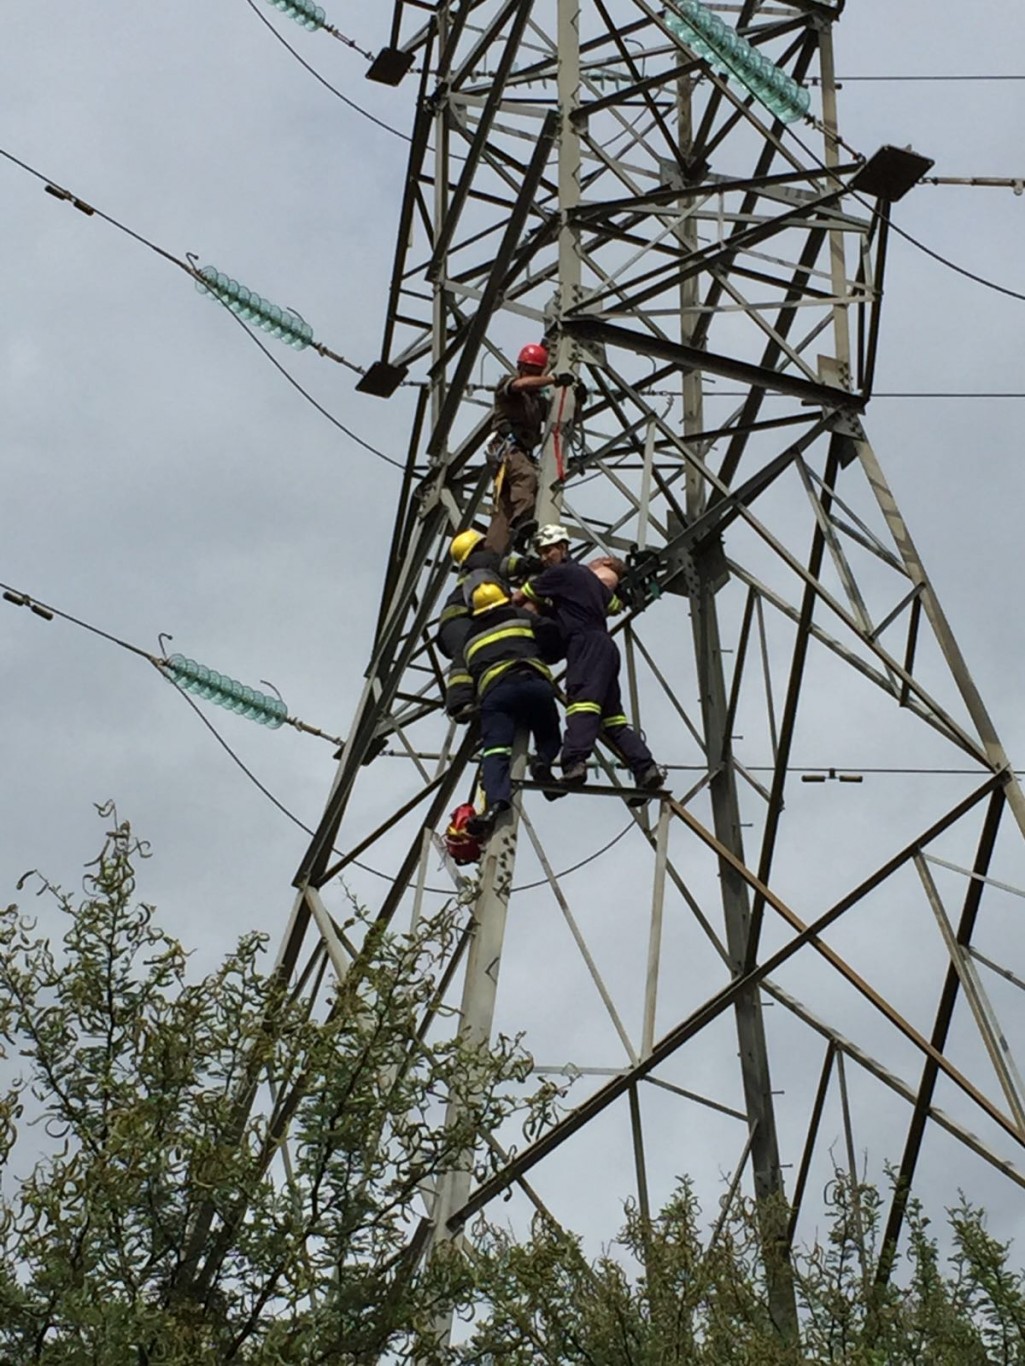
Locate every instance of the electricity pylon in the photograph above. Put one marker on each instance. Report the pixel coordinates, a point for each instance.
(637, 185)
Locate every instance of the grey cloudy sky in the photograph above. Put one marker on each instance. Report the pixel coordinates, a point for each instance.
(160, 475)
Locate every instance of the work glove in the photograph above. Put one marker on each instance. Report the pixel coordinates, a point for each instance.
(563, 379)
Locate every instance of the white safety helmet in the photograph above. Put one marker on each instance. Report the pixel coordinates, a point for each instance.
(551, 534)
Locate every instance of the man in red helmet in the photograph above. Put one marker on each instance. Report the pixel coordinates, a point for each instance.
(517, 424)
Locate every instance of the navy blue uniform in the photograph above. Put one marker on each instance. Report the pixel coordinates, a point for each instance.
(514, 689)
(455, 619)
(580, 603)
(456, 623)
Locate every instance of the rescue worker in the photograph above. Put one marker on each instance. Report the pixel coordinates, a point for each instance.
(469, 557)
(517, 424)
(474, 564)
(514, 691)
(580, 602)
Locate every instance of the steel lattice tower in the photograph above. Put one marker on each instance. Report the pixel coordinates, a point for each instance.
(716, 277)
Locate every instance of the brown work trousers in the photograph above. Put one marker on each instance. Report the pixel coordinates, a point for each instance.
(515, 497)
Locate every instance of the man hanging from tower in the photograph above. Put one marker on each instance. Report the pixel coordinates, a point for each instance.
(517, 426)
(580, 601)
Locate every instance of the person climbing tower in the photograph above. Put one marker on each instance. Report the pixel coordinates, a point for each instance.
(517, 425)
(514, 690)
(474, 564)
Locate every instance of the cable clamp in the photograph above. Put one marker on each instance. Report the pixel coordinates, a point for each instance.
(23, 600)
(77, 203)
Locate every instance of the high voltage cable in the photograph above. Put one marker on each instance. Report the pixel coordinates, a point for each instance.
(90, 210)
(901, 232)
(184, 673)
(952, 265)
(742, 393)
(365, 867)
(327, 84)
(311, 400)
(46, 611)
(817, 80)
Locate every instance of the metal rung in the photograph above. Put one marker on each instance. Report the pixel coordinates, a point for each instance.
(584, 790)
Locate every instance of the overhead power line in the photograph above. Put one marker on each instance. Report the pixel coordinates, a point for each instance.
(185, 674)
(946, 393)
(210, 287)
(840, 80)
(183, 682)
(327, 84)
(952, 265)
(901, 232)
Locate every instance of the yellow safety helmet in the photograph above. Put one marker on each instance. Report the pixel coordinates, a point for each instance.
(464, 543)
(488, 595)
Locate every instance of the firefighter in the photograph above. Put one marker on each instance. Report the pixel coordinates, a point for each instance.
(517, 424)
(514, 691)
(581, 601)
(475, 564)
(468, 557)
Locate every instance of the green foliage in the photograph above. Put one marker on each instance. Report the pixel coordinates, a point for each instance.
(691, 1300)
(149, 1213)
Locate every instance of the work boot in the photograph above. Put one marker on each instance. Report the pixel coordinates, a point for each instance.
(575, 775)
(541, 773)
(650, 778)
(523, 534)
(480, 827)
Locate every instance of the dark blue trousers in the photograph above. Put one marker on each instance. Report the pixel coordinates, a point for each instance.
(593, 703)
(519, 701)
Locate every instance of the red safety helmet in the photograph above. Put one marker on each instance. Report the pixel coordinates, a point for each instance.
(462, 847)
(533, 354)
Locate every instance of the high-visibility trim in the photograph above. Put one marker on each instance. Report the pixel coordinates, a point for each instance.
(450, 613)
(615, 606)
(493, 674)
(454, 678)
(614, 722)
(575, 708)
(498, 749)
(492, 638)
(528, 592)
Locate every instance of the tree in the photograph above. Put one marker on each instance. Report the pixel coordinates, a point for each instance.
(149, 1213)
(695, 1301)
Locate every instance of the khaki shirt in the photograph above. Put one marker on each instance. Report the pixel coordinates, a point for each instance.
(519, 413)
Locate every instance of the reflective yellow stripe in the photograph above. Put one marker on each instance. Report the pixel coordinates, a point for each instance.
(506, 633)
(528, 592)
(454, 611)
(499, 749)
(455, 678)
(576, 707)
(494, 673)
(611, 722)
(615, 606)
